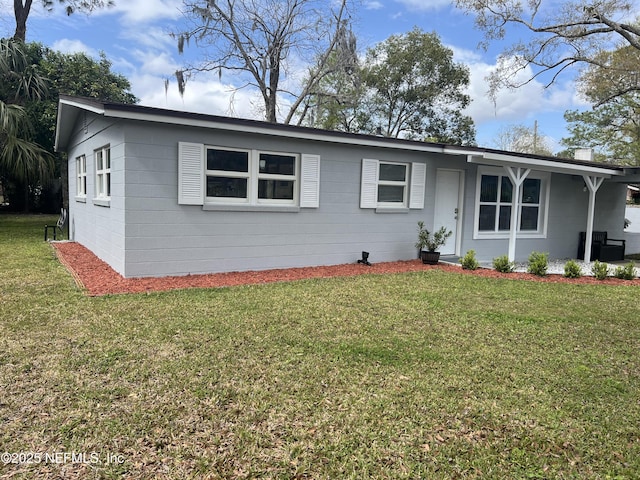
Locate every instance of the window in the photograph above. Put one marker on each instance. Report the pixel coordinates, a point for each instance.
(227, 174)
(103, 173)
(249, 176)
(391, 185)
(81, 176)
(495, 203)
(222, 177)
(276, 177)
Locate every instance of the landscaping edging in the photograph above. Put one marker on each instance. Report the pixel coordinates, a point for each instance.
(98, 278)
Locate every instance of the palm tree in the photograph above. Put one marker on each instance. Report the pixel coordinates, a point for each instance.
(21, 159)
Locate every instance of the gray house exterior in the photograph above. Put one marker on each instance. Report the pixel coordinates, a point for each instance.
(156, 192)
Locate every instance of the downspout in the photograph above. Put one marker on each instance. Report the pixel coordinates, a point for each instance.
(517, 176)
(593, 184)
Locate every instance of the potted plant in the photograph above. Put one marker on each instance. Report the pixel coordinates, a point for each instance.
(428, 243)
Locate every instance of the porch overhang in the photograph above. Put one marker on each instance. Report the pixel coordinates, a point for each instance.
(518, 167)
(544, 165)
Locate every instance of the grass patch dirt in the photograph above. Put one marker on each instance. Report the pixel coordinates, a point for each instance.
(419, 375)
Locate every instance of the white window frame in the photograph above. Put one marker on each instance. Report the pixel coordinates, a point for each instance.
(253, 177)
(103, 173)
(81, 177)
(414, 186)
(230, 174)
(295, 178)
(394, 183)
(192, 181)
(543, 205)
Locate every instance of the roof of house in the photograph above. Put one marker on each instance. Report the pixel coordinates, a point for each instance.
(69, 107)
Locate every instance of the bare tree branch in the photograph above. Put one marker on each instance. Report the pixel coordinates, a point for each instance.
(570, 34)
(261, 43)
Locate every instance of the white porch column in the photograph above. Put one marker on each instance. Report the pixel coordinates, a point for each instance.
(593, 184)
(517, 176)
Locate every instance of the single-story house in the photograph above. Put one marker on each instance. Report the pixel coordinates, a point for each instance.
(156, 192)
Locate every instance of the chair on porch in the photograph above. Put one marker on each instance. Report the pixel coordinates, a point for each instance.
(601, 247)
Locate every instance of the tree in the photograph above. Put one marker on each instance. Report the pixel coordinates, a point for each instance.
(612, 130)
(523, 139)
(612, 126)
(337, 102)
(75, 74)
(22, 8)
(262, 41)
(71, 74)
(416, 90)
(20, 157)
(565, 34)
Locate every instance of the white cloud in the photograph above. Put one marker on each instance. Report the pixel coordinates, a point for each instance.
(200, 96)
(153, 62)
(149, 36)
(517, 103)
(523, 105)
(373, 5)
(424, 4)
(66, 45)
(144, 11)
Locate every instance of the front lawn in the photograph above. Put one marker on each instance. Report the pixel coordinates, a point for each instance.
(418, 375)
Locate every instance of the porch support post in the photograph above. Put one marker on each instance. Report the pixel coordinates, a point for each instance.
(517, 176)
(593, 184)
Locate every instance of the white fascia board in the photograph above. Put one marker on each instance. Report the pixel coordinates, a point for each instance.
(460, 151)
(298, 134)
(69, 110)
(83, 106)
(498, 159)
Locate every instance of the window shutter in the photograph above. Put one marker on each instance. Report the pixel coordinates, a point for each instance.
(310, 181)
(190, 173)
(418, 185)
(369, 184)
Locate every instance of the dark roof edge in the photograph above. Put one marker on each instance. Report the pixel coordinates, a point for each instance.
(280, 127)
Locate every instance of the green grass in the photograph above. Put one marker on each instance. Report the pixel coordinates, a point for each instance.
(420, 375)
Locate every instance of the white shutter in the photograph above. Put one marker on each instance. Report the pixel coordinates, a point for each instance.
(190, 173)
(310, 181)
(418, 185)
(369, 184)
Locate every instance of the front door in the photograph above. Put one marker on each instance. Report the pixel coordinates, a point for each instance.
(448, 207)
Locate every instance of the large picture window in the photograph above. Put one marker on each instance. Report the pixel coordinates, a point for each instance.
(495, 203)
(103, 173)
(251, 177)
(247, 179)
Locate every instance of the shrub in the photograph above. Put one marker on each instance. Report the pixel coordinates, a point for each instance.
(503, 265)
(600, 270)
(538, 263)
(469, 261)
(627, 272)
(572, 269)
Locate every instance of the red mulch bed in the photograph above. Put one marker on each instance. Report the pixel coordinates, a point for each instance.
(98, 278)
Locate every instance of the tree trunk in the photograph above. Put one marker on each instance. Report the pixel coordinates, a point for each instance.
(270, 104)
(21, 14)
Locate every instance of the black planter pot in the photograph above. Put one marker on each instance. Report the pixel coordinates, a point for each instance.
(430, 258)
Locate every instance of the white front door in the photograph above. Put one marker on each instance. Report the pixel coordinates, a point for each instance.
(448, 207)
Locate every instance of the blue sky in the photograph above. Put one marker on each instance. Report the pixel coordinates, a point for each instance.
(134, 36)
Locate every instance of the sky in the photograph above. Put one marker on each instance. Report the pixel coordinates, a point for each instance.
(134, 35)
